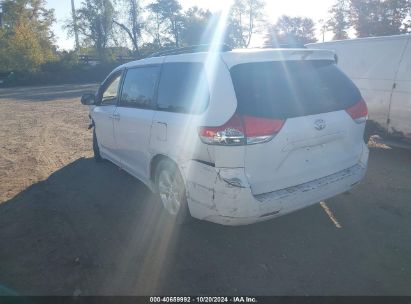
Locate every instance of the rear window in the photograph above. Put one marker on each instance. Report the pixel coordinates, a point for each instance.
(292, 88)
(183, 88)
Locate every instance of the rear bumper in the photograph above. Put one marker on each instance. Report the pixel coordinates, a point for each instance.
(212, 199)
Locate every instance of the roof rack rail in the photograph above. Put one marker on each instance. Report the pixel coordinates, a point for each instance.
(285, 46)
(193, 49)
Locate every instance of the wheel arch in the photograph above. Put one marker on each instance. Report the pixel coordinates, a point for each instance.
(156, 160)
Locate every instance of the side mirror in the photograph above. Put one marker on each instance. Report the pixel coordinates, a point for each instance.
(88, 99)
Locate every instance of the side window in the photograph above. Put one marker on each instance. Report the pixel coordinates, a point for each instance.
(139, 87)
(183, 88)
(110, 90)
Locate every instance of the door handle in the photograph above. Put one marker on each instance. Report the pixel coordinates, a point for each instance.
(115, 116)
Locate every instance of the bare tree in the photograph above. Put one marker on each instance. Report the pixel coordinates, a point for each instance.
(132, 25)
(75, 27)
(244, 16)
(95, 23)
(324, 27)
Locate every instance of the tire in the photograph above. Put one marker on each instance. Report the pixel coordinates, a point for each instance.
(96, 149)
(171, 192)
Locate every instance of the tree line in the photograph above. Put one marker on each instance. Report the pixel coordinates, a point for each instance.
(158, 25)
(109, 28)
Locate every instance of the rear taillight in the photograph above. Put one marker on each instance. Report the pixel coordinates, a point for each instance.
(258, 130)
(241, 130)
(358, 112)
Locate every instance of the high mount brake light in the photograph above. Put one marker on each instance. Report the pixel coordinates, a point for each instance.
(241, 130)
(358, 112)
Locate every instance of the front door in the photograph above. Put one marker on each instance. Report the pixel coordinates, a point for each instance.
(134, 117)
(103, 115)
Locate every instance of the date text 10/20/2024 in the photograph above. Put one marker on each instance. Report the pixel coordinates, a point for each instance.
(203, 300)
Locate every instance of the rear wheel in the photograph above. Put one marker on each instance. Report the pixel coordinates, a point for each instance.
(96, 149)
(171, 191)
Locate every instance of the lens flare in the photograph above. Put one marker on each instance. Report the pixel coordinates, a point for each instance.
(154, 242)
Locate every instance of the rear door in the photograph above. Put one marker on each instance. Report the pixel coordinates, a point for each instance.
(103, 114)
(183, 95)
(318, 138)
(134, 117)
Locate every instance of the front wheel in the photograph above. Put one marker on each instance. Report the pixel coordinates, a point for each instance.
(96, 149)
(171, 191)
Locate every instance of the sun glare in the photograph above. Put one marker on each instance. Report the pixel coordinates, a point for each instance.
(161, 236)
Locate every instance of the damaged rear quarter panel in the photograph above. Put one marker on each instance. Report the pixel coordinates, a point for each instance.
(209, 194)
(200, 180)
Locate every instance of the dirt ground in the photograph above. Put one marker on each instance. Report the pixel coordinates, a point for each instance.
(71, 226)
(41, 131)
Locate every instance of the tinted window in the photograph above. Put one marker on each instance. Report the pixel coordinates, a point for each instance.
(139, 87)
(110, 90)
(183, 88)
(291, 89)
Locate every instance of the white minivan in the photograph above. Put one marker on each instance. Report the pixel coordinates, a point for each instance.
(233, 137)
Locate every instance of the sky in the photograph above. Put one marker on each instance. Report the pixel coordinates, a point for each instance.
(316, 10)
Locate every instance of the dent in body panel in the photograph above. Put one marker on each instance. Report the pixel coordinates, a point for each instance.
(233, 200)
(200, 180)
(206, 188)
(225, 204)
(209, 194)
(206, 183)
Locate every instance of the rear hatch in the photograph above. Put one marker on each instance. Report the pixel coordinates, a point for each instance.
(319, 135)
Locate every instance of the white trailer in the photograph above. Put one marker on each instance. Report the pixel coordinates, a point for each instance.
(381, 68)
